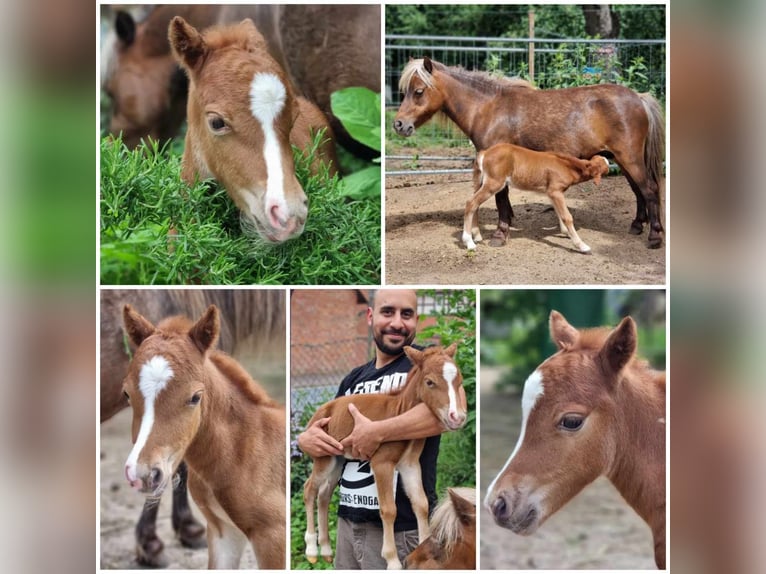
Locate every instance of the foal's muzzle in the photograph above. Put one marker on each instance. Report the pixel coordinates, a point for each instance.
(510, 511)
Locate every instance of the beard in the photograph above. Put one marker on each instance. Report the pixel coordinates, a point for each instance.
(396, 349)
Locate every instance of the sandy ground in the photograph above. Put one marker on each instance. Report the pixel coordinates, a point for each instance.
(424, 220)
(596, 530)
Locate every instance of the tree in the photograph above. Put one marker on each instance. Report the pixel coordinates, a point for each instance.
(601, 20)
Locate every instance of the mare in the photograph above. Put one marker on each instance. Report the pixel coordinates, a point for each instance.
(193, 402)
(148, 90)
(243, 118)
(452, 544)
(584, 121)
(591, 409)
(434, 380)
(522, 168)
(252, 330)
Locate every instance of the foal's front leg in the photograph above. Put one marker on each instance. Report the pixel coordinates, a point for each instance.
(559, 205)
(471, 212)
(409, 470)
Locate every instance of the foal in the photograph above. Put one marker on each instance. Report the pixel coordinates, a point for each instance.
(195, 403)
(244, 117)
(452, 544)
(526, 169)
(592, 408)
(434, 380)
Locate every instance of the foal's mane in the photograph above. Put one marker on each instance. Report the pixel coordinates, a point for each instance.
(446, 528)
(228, 35)
(480, 81)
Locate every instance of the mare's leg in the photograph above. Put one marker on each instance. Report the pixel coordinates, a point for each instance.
(487, 189)
(384, 480)
(189, 530)
(409, 470)
(647, 192)
(505, 215)
(557, 199)
(148, 545)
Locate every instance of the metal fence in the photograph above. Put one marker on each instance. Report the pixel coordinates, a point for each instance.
(553, 63)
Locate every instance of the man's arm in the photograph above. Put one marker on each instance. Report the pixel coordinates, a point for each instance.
(418, 422)
(315, 441)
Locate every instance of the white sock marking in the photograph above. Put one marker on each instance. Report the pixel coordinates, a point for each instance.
(533, 390)
(153, 378)
(267, 100)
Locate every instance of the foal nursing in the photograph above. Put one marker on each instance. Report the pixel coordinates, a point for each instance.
(522, 168)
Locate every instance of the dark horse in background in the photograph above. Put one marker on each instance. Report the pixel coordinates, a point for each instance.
(605, 119)
(252, 328)
(323, 48)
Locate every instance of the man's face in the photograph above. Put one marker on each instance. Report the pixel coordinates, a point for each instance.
(393, 320)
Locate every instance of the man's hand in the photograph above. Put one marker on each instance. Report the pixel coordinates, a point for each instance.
(315, 441)
(365, 439)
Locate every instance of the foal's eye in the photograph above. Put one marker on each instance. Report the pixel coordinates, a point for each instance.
(419, 92)
(217, 124)
(571, 422)
(430, 383)
(194, 401)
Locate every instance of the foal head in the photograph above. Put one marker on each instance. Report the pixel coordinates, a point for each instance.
(422, 98)
(241, 111)
(437, 381)
(165, 385)
(567, 432)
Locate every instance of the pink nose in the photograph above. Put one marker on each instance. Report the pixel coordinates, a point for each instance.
(456, 417)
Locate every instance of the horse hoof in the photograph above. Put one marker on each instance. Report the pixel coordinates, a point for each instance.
(327, 559)
(311, 559)
(192, 534)
(636, 228)
(655, 242)
(497, 242)
(149, 553)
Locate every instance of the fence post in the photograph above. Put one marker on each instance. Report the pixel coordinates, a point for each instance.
(532, 46)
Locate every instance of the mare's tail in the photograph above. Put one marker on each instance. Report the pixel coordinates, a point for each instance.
(654, 148)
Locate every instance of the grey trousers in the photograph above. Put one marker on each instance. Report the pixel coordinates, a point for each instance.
(358, 545)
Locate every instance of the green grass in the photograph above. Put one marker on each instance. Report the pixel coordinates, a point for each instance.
(143, 199)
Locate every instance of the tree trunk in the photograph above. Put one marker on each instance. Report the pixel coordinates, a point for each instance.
(601, 21)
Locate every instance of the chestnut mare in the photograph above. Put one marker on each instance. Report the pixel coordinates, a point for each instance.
(252, 329)
(434, 380)
(195, 403)
(452, 544)
(591, 409)
(584, 121)
(521, 168)
(244, 117)
(148, 90)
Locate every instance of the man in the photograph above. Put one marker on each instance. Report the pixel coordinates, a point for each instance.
(393, 320)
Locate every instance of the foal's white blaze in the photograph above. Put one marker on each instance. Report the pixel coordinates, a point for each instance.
(267, 100)
(533, 390)
(449, 371)
(153, 378)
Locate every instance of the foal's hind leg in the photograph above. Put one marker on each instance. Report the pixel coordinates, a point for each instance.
(320, 484)
(557, 199)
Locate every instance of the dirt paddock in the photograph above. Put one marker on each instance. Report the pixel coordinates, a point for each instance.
(424, 221)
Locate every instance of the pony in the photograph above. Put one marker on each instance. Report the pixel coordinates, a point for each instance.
(591, 409)
(148, 90)
(243, 119)
(513, 166)
(193, 402)
(452, 544)
(582, 122)
(251, 329)
(434, 380)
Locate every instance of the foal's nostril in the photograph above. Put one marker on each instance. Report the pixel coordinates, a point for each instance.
(156, 477)
(500, 508)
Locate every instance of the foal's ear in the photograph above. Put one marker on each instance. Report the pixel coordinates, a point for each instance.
(414, 355)
(620, 346)
(465, 509)
(428, 64)
(451, 350)
(136, 326)
(204, 333)
(563, 335)
(125, 27)
(254, 37)
(188, 46)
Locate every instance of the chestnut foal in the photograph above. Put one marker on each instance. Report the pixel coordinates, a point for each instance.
(591, 409)
(526, 169)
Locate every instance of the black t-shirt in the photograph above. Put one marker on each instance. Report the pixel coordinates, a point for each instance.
(358, 493)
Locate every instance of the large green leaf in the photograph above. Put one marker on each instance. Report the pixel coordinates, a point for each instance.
(358, 109)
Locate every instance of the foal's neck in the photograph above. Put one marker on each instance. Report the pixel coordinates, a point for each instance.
(637, 468)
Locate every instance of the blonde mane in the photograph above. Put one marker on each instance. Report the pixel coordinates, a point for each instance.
(446, 528)
(416, 67)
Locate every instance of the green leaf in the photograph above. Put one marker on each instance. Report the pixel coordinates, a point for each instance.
(362, 184)
(358, 109)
